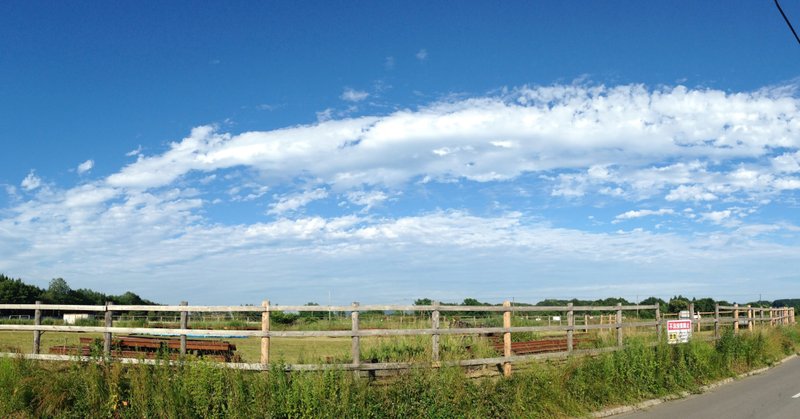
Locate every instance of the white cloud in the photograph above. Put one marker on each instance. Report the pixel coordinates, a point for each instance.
(367, 199)
(31, 182)
(352, 95)
(325, 115)
(293, 202)
(619, 137)
(135, 152)
(690, 193)
(642, 213)
(85, 166)
(716, 217)
(148, 240)
(422, 54)
(389, 63)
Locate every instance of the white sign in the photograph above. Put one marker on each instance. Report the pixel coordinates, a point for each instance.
(679, 331)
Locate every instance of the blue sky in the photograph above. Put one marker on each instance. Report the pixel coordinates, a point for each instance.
(384, 151)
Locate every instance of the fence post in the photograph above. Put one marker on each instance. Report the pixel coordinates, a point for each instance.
(691, 314)
(107, 335)
(586, 323)
(736, 318)
(619, 324)
(37, 334)
(571, 324)
(716, 321)
(658, 321)
(184, 325)
(507, 339)
(435, 326)
(785, 315)
(749, 317)
(355, 348)
(791, 315)
(265, 336)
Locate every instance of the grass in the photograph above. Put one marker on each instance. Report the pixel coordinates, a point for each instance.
(199, 389)
(288, 350)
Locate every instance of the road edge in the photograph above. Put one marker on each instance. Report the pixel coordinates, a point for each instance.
(708, 387)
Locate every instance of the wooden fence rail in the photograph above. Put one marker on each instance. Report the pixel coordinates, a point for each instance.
(739, 315)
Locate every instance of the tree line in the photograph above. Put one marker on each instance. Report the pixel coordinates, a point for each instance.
(15, 291)
(675, 304)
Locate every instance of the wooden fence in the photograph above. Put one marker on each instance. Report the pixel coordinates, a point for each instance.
(733, 316)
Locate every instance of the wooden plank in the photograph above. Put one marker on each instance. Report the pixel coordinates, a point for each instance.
(258, 309)
(107, 336)
(37, 335)
(305, 333)
(619, 325)
(355, 348)
(52, 307)
(184, 325)
(507, 339)
(435, 338)
(571, 324)
(265, 329)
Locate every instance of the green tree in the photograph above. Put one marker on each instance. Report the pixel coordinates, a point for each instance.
(706, 305)
(678, 303)
(14, 291)
(472, 302)
(59, 292)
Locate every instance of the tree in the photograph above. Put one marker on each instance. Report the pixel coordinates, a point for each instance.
(59, 291)
(14, 291)
(662, 306)
(311, 315)
(423, 302)
(678, 303)
(705, 305)
(472, 302)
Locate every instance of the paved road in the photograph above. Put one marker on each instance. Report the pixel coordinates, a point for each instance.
(772, 394)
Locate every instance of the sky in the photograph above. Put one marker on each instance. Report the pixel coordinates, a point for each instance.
(338, 151)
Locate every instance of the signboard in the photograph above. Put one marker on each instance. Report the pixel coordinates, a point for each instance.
(679, 331)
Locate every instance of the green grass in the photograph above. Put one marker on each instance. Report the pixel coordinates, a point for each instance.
(288, 350)
(199, 389)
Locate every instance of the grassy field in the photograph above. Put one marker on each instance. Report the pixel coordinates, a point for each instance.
(198, 389)
(288, 350)
(337, 350)
(295, 350)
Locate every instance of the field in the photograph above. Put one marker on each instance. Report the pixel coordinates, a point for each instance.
(288, 350)
(337, 349)
(573, 387)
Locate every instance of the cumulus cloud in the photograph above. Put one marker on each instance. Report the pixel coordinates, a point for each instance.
(642, 213)
(293, 202)
(367, 199)
(716, 217)
(85, 166)
(422, 54)
(622, 139)
(690, 193)
(31, 182)
(352, 95)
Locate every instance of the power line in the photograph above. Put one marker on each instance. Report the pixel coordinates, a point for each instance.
(787, 21)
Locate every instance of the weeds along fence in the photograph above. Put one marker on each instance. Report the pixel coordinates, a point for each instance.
(647, 318)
